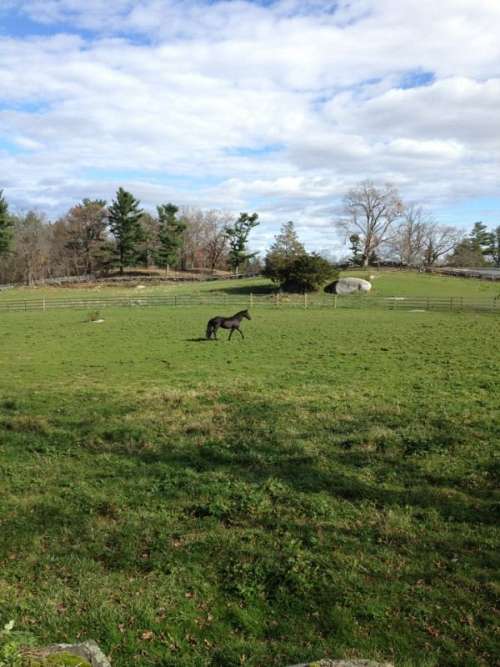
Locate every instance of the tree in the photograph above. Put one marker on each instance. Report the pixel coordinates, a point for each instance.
(215, 239)
(306, 273)
(481, 239)
(238, 238)
(31, 250)
(355, 248)
(465, 253)
(85, 227)
(495, 246)
(169, 235)
(285, 248)
(123, 218)
(439, 240)
(6, 225)
(286, 243)
(369, 213)
(147, 248)
(407, 242)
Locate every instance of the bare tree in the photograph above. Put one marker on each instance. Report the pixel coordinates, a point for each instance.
(29, 260)
(204, 240)
(408, 240)
(370, 213)
(215, 238)
(439, 240)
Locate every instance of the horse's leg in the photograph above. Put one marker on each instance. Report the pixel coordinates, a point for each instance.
(215, 331)
(241, 332)
(231, 333)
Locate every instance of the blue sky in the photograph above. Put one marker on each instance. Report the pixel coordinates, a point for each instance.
(278, 107)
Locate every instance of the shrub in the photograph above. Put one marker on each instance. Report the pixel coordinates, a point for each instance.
(303, 273)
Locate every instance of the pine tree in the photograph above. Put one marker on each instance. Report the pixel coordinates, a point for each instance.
(238, 238)
(495, 246)
(285, 248)
(123, 218)
(169, 235)
(481, 239)
(287, 243)
(355, 248)
(6, 224)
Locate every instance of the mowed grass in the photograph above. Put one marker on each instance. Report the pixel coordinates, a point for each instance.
(388, 282)
(326, 487)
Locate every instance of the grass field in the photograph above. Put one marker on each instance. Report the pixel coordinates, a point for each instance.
(326, 487)
(385, 283)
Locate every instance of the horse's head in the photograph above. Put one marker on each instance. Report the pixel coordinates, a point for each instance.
(246, 314)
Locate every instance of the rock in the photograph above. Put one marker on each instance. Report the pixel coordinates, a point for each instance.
(68, 654)
(345, 663)
(345, 286)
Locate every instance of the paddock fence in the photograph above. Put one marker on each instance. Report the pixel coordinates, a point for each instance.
(234, 301)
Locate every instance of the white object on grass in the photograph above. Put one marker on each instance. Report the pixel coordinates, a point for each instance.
(350, 286)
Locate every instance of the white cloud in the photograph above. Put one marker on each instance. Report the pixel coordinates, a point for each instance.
(242, 105)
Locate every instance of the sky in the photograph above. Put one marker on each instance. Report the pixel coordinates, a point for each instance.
(273, 106)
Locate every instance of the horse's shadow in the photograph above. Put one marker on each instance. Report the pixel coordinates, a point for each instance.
(197, 340)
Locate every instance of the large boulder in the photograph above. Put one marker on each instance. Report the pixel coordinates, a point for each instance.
(344, 286)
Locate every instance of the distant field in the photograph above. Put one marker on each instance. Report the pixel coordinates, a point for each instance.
(385, 283)
(326, 487)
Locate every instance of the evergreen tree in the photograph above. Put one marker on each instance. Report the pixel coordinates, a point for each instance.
(287, 242)
(306, 273)
(495, 246)
(286, 247)
(481, 239)
(238, 238)
(123, 218)
(169, 235)
(355, 248)
(6, 225)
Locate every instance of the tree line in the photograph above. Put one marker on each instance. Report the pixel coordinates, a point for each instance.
(381, 227)
(96, 238)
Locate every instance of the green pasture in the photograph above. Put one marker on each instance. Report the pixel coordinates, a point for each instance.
(326, 487)
(385, 283)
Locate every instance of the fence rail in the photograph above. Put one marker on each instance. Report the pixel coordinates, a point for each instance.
(414, 303)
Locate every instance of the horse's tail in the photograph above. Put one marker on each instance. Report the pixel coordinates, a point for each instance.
(210, 329)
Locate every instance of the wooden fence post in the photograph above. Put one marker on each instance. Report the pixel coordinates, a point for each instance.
(251, 299)
(305, 299)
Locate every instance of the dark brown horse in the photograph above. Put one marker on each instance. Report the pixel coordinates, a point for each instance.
(232, 323)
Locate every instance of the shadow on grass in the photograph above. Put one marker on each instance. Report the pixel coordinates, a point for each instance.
(256, 290)
(254, 445)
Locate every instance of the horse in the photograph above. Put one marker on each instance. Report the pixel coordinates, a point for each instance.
(232, 323)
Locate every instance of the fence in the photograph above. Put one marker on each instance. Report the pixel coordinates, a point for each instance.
(413, 303)
(490, 273)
